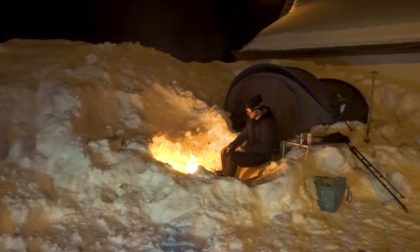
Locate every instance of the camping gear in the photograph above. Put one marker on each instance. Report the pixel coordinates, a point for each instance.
(381, 178)
(340, 138)
(330, 192)
(335, 137)
(303, 140)
(297, 99)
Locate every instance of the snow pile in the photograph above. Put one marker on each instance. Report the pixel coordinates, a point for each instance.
(80, 129)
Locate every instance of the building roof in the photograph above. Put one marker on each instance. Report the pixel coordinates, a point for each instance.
(341, 27)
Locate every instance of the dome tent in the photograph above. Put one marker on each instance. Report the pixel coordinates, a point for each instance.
(345, 101)
(297, 98)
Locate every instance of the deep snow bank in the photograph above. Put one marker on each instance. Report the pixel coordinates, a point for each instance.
(77, 172)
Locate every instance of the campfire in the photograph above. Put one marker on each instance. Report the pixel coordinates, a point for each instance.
(186, 154)
(195, 148)
(174, 154)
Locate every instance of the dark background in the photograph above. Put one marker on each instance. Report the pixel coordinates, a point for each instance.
(191, 30)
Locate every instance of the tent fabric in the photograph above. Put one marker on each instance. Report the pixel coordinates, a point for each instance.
(345, 102)
(296, 104)
(296, 97)
(309, 79)
(302, 77)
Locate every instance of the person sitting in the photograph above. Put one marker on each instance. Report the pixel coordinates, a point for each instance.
(255, 144)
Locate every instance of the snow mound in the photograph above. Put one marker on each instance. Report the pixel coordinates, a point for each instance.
(78, 130)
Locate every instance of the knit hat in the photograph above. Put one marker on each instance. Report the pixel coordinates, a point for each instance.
(254, 102)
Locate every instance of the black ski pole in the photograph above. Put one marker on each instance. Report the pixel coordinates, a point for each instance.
(372, 170)
(369, 164)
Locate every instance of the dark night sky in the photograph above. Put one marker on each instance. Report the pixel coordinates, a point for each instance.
(200, 30)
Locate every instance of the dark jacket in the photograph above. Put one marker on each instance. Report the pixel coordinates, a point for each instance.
(260, 136)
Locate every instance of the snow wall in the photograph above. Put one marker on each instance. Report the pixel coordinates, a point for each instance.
(77, 120)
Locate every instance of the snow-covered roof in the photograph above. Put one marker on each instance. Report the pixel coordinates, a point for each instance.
(315, 24)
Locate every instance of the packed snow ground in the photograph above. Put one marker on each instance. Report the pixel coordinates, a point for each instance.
(77, 125)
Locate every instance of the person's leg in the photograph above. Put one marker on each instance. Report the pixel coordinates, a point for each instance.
(223, 156)
(248, 159)
(230, 166)
(231, 160)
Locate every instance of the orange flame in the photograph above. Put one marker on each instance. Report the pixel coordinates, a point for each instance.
(187, 154)
(198, 148)
(174, 154)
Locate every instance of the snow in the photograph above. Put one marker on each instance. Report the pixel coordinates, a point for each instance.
(332, 23)
(81, 125)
